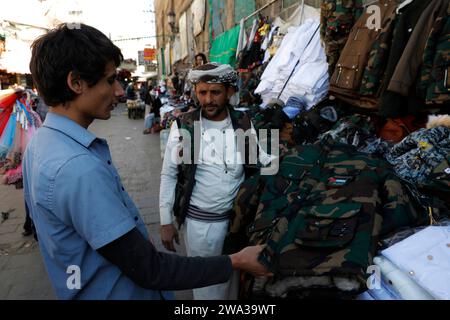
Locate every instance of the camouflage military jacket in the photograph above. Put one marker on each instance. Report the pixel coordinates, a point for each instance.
(337, 19)
(378, 56)
(435, 79)
(186, 171)
(348, 75)
(323, 213)
(419, 154)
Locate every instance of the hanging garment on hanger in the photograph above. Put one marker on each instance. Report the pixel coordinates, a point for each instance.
(379, 53)
(434, 83)
(302, 57)
(407, 70)
(337, 19)
(393, 105)
(252, 34)
(347, 77)
(242, 43)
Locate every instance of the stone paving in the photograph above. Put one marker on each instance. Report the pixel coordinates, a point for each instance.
(136, 156)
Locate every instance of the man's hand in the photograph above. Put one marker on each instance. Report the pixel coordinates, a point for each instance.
(247, 260)
(168, 234)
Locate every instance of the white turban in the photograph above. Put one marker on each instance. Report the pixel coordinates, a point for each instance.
(214, 73)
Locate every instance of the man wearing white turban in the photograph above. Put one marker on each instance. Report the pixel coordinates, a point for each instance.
(200, 194)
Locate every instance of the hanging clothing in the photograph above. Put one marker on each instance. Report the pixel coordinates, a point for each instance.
(337, 19)
(242, 39)
(253, 55)
(224, 47)
(302, 55)
(347, 78)
(18, 124)
(392, 104)
(408, 67)
(434, 83)
(373, 73)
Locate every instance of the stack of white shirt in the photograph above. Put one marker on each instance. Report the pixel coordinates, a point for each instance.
(310, 78)
(425, 258)
(417, 268)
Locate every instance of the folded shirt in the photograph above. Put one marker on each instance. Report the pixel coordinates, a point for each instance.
(399, 283)
(425, 257)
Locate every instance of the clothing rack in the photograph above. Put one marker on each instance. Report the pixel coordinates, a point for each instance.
(298, 62)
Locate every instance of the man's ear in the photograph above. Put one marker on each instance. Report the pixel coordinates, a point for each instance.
(75, 83)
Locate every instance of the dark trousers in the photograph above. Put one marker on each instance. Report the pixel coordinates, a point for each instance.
(28, 226)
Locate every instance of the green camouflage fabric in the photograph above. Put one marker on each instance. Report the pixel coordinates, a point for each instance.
(415, 158)
(337, 19)
(186, 171)
(434, 82)
(324, 212)
(378, 57)
(244, 210)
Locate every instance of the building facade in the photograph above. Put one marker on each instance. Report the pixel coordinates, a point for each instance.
(187, 27)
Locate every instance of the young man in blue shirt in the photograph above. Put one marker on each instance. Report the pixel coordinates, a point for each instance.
(91, 235)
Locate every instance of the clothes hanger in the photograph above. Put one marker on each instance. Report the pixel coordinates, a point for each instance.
(403, 4)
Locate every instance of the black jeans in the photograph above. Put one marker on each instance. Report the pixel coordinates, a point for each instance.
(28, 226)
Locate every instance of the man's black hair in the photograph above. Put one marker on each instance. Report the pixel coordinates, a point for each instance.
(81, 49)
(205, 60)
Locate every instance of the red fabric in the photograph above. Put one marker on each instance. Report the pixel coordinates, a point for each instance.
(6, 103)
(395, 130)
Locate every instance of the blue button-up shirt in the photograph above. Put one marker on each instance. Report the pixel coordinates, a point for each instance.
(78, 205)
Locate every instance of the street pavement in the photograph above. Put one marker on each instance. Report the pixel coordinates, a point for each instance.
(138, 160)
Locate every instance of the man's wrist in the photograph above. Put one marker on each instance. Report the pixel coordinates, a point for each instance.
(236, 262)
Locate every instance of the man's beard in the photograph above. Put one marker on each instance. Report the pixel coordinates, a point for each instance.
(217, 110)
